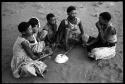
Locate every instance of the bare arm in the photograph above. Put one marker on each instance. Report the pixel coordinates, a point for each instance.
(81, 28)
(42, 34)
(28, 50)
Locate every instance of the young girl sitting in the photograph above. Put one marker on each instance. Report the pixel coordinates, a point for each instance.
(38, 46)
(103, 47)
(24, 61)
(70, 29)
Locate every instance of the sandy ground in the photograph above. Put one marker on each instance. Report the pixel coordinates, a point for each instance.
(79, 68)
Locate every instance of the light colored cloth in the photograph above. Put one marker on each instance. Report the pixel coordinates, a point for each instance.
(74, 31)
(37, 47)
(21, 62)
(103, 52)
(107, 36)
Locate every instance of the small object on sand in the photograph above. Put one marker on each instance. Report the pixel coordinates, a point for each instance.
(61, 58)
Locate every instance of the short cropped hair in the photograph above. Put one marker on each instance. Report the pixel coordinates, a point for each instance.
(23, 26)
(105, 16)
(71, 8)
(33, 22)
(50, 15)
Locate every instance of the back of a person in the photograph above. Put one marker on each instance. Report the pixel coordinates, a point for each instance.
(17, 48)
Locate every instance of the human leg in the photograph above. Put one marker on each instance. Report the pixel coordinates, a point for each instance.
(27, 70)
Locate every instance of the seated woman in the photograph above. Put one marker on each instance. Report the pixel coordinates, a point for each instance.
(103, 47)
(24, 61)
(38, 46)
(70, 29)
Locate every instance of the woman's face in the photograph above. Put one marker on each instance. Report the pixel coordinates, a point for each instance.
(29, 31)
(72, 14)
(35, 29)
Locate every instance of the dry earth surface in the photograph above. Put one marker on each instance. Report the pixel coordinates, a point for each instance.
(79, 68)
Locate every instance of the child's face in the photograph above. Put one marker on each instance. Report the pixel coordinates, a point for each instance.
(35, 29)
(73, 13)
(102, 21)
(29, 31)
(52, 20)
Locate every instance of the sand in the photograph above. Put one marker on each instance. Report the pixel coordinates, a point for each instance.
(78, 69)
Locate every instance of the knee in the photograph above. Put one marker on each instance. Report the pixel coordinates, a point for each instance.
(29, 69)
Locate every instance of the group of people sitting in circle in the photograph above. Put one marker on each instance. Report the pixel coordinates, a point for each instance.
(34, 41)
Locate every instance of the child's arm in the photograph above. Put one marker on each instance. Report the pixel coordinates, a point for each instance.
(100, 32)
(81, 28)
(28, 50)
(42, 34)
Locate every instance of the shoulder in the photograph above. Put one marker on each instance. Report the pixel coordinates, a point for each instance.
(21, 39)
(46, 27)
(25, 43)
(111, 28)
(78, 20)
(64, 22)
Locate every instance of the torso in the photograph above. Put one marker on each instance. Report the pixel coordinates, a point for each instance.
(18, 51)
(103, 34)
(50, 34)
(74, 28)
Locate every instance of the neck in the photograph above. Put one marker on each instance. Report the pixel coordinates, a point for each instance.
(71, 18)
(52, 25)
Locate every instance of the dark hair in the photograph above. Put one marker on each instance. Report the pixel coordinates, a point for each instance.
(70, 8)
(50, 15)
(105, 16)
(23, 26)
(33, 22)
